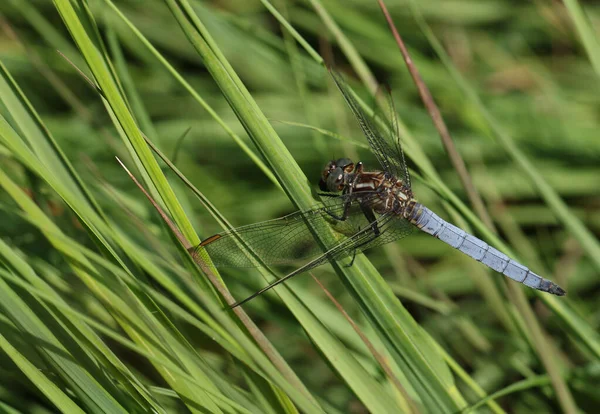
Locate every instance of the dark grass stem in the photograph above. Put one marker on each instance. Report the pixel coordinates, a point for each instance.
(455, 157)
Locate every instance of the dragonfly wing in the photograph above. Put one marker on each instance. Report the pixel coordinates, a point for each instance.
(391, 227)
(286, 239)
(394, 129)
(385, 145)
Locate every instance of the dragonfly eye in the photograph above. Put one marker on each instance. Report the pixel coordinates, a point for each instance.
(331, 166)
(323, 185)
(333, 175)
(344, 163)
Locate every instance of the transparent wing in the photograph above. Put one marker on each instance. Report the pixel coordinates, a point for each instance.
(286, 239)
(395, 136)
(391, 227)
(386, 146)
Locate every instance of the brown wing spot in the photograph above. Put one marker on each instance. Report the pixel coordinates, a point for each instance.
(210, 240)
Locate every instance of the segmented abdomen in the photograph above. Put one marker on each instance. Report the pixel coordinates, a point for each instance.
(479, 250)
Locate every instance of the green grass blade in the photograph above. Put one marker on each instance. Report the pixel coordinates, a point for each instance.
(89, 272)
(89, 44)
(539, 381)
(60, 400)
(588, 35)
(587, 240)
(429, 375)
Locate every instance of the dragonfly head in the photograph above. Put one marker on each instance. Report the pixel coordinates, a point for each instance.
(335, 175)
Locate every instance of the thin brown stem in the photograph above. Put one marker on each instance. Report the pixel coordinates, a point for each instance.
(260, 339)
(517, 296)
(380, 359)
(455, 157)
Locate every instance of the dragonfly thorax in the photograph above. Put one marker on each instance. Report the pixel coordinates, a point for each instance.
(378, 190)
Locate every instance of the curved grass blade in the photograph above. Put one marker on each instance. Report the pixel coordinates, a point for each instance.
(409, 344)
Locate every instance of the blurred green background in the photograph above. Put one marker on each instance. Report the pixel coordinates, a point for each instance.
(101, 311)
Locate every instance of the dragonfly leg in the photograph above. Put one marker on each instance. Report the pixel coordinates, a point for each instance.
(370, 218)
(345, 213)
(347, 192)
(356, 248)
(376, 232)
(353, 257)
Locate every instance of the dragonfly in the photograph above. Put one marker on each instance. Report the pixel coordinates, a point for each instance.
(360, 210)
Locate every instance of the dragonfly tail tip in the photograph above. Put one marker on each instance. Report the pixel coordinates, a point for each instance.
(560, 291)
(557, 290)
(551, 287)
